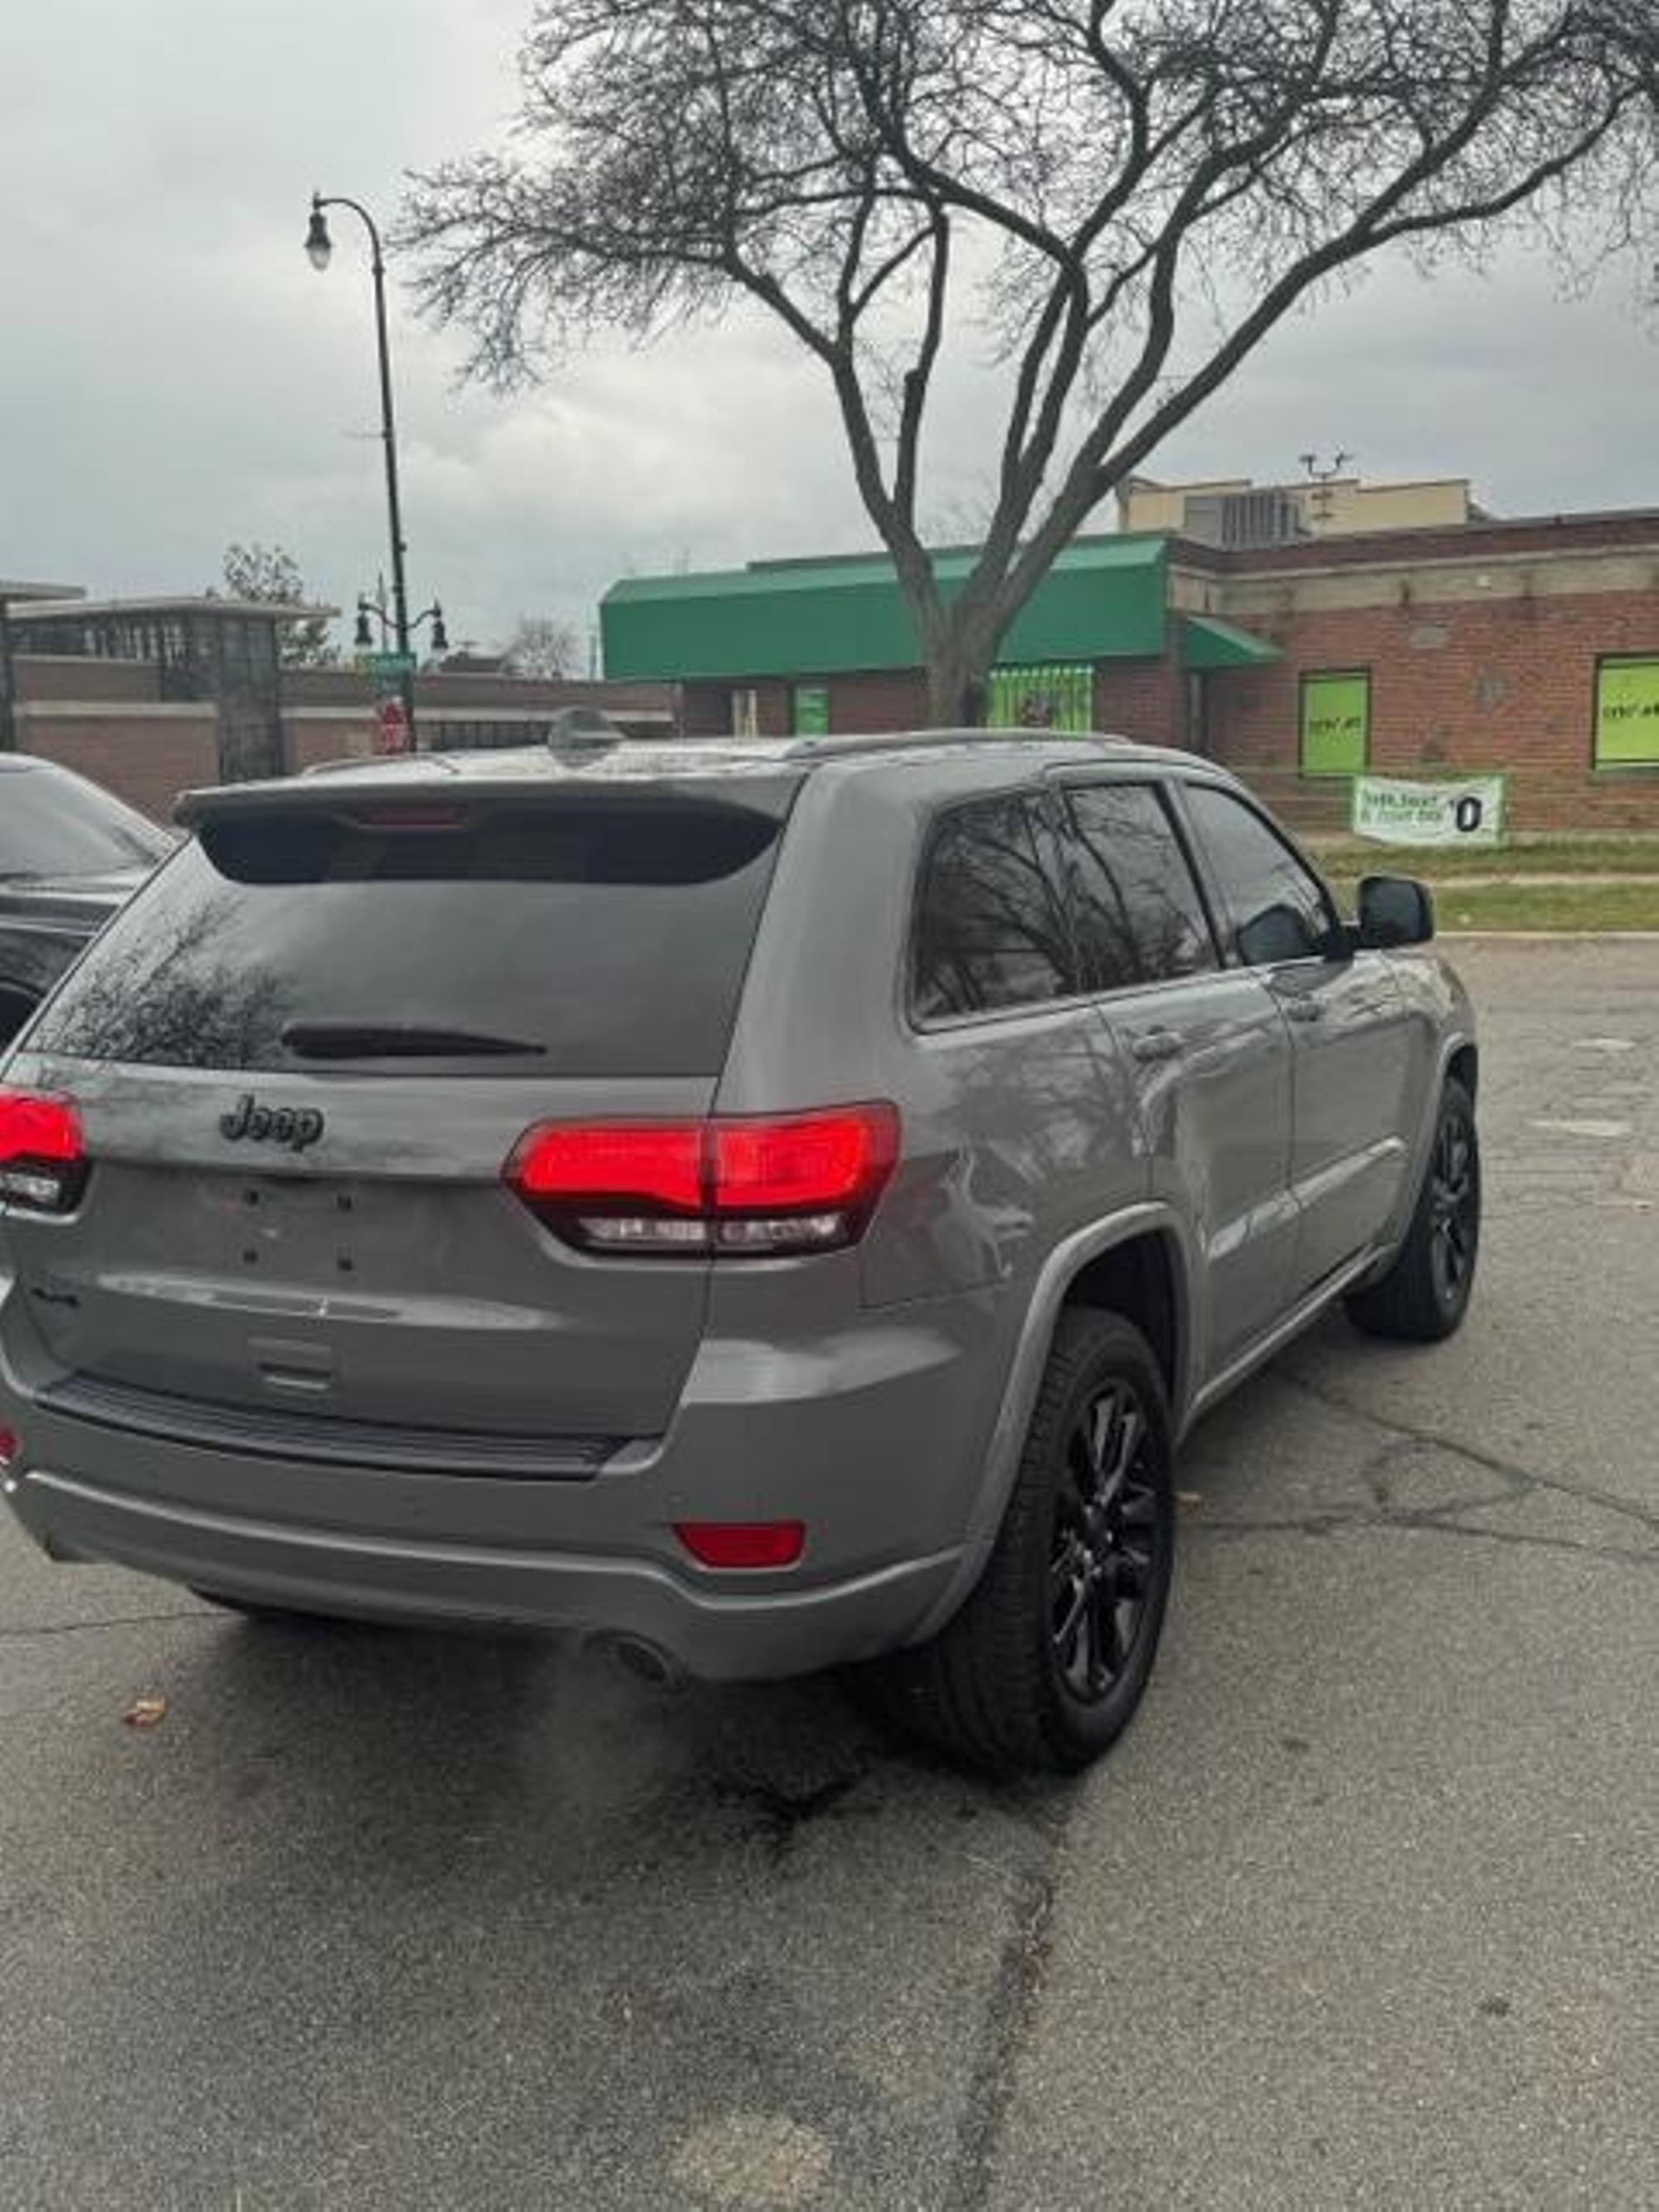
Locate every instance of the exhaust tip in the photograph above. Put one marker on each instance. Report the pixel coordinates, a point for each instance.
(646, 1663)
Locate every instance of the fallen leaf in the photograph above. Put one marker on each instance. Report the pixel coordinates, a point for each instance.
(146, 1712)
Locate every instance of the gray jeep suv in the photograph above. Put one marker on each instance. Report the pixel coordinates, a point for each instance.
(767, 1206)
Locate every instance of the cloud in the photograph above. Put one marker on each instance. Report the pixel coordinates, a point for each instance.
(173, 375)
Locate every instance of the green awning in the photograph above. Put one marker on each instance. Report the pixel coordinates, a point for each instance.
(1206, 641)
(1104, 598)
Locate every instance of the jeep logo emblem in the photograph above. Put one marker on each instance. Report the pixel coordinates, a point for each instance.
(298, 1128)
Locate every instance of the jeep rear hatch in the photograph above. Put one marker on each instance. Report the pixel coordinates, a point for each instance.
(303, 1058)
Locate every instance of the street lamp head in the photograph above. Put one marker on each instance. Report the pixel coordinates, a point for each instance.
(439, 634)
(320, 246)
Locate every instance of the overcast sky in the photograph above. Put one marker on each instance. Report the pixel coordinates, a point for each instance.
(172, 374)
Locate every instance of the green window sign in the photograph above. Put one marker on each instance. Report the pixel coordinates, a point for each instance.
(1627, 714)
(1336, 723)
(812, 710)
(1052, 696)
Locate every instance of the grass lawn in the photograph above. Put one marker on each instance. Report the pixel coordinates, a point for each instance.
(1523, 906)
(1348, 858)
(1508, 894)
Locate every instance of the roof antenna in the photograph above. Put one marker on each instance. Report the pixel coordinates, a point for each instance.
(1322, 475)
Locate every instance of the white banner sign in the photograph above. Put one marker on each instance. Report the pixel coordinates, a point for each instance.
(1394, 812)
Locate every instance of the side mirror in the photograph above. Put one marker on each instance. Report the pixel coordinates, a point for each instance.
(1394, 910)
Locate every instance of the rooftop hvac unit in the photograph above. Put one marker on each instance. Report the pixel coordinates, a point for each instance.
(1242, 520)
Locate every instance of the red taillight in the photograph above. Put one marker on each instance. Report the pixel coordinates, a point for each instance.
(42, 1157)
(743, 1543)
(803, 1163)
(792, 1182)
(645, 1164)
(8, 1449)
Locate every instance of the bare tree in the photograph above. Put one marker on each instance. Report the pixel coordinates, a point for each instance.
(542, 645)
(1130, 195)
(271, 572)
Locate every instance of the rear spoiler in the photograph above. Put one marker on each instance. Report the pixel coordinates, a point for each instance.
(435, 779)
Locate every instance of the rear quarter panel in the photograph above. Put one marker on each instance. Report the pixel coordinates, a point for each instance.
(1018, 1131)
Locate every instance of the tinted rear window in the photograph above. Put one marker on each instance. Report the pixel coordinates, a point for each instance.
(591, 938)
(991, 929)
(1140, 916)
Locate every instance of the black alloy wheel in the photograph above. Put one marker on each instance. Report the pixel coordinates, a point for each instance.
(1453, 1210)
(1104, 1563)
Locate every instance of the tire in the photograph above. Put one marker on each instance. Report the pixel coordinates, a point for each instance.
(1426, 1293)
(1002, 1686)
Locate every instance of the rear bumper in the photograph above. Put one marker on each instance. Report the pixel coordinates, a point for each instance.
(873, 1435)
(716, 1634)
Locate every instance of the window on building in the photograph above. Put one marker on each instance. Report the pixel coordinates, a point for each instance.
(1336, 722)
(810, 710)
(1627, 712)
(1275, 908)
(1139, 917)
(991, 929)
(1052, 696)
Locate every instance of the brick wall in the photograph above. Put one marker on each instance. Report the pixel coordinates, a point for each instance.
(706, 709)
(480, 692)
(147, 762)
(310, 737)
(1136, 698)
(885, 699)
(1146, 699)
(1508, 685)
(66, 675)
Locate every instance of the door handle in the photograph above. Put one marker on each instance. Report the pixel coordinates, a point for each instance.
(1299, 1009)
(1155, 1045)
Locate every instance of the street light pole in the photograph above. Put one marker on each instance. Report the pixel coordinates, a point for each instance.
(320, 248)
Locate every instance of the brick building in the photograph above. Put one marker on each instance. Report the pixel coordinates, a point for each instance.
(1296, 654)
(151, 698)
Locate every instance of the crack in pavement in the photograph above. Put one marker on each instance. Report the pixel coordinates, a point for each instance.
(116, 1620)
(1520, 1479)
(1010, 2014)
(1514, 1484)
(1427, 1522)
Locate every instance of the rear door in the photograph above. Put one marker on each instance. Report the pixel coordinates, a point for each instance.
(302, 1059)
(1208, 1047)
(1353, 1056)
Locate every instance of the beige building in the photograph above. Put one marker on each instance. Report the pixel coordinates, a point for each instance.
(1236, 510)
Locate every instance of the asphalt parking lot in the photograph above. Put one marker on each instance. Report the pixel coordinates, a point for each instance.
(1365, 1911)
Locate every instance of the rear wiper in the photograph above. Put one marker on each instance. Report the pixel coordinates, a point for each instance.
(395, 1040)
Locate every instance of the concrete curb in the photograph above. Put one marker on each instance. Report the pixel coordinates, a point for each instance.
(1552, 936)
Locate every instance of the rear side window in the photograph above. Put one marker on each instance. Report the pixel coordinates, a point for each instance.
(55, 823)
(991, 929)
(1277, 910)
(585, 938)
(1139, 917)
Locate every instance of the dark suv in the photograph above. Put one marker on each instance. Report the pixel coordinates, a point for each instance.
(767, 1206)
(69, 855)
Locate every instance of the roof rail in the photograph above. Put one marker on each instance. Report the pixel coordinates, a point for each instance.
(839, 748)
